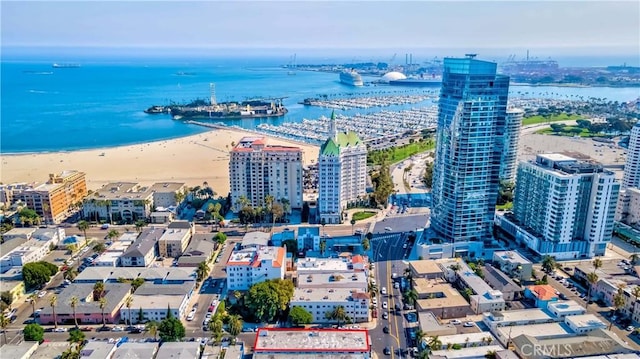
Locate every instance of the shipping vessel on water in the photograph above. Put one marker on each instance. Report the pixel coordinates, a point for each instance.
(65, 66)
(351, 78)
(203, 109)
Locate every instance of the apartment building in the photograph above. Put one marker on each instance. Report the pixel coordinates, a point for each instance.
(54, 200)
(628, 208)
(288, 343)
(564, 207)
(514, 264)
(119, 201)
(173, 242)
(322, 300)
(631, 176)
(484, 298)
(164, 193)
(34, 249)
(342, 173)
(249, 266)
(257, 170)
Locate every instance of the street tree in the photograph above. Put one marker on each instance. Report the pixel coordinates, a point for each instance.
(548, 263)
(268, 299)
(83, 226)
(300, 316)
(33, 333)
(53, 301)
(170, 328)
(73, 302)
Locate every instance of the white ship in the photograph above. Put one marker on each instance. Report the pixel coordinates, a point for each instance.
(351, 78)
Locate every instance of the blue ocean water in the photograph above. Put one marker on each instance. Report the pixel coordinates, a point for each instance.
(101, 103)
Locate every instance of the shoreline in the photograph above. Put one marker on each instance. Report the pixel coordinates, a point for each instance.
(191, 159)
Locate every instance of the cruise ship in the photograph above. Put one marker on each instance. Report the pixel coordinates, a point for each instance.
(351, 78)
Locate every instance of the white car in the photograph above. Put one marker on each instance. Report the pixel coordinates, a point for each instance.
(118, 328)
(385, 315)
(375, 301)
(455, 322)
(42, 294)
(385, 305)
(468, 324)
(388, 229)
(60, 330)
(383, 290)
(191, 316)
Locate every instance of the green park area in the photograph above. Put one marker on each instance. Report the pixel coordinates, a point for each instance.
(397, 154)
(538, 119)
(358, 216)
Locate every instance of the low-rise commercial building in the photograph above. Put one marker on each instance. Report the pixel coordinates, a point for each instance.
(540, 331)
(152, 301)
(250, 266)
(465, 353)
(308, 239)
(179, 350)
(431, 326)
(88, 310)
(312, 343)
(510, 318)
(172, 275)
(354, 280)
(441, 298)
(593, 344)
(514, 264)
(584, 323)
(484, 298)
(255, 240)
(565, 308)
(480, 339)
(34, 249)
(426, 268)
(319, 302)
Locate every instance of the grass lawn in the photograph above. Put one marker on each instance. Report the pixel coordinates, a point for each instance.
(533, 120)
(404, 152)
(358, 216)
(567, 131)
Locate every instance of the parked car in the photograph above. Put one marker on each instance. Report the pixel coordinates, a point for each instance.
(468, 324)
(455, 322)
(385, 330)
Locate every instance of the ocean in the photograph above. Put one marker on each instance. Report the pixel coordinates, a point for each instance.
(101, 103)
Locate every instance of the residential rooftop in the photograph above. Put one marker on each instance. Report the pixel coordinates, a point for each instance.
(274, 256)
(179, 350)
(327, 280)
(584, 320)
(159, 274)
(121, 191)
(506, 283)
(48, 350)
(149, 288)
(565, 306)
(331, 295)
(136, 351)
(513, 316)
(472, 337)
(316, 265)
(97, 350)
(255, 239)
(144, 243)
(511, 256)
(160, 301)
(545, 330)
(472, 352)
(543, 291)
(114, 293)
(312, 340)
(442, 293)
(166, 187)
(596, 342)
(425, 267)
(18, 351)
(174, 234)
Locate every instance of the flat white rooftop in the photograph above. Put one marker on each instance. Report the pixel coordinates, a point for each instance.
(585, 321)
(510, 316)
(566, 306)
(462, 338)
(330, 295)
(473, 352)
(534, 330)
(511, 256)
(315, 265)
(313, 341)
(556, 157)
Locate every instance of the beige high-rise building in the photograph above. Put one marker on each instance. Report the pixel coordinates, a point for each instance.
(54, 199)
(257, 170)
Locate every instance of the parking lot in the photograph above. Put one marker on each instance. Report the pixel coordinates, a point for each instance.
(402, 223)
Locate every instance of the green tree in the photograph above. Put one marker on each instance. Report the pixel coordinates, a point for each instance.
(277, 212)
(268, 299)
(548, 263)
(28, 216)
(383, 185)
(136, 283)
(53, 301)
(4, 323)
(33, 333)
(37, 274)
(235, 325)
(83, 226)
(73, 302)
(76, 336)
(170, 328)
(597, 264)
(7, 298)
(300, 316)
(113, 233)
(202, 271)
(220, 237)
(366, 244)
(127, 303)
(353, 223)
(140, 224)
(592, 279)
(323, 246)
(216, 329)
(102, 302)
(427, 178)
(152, 329)
(99, 248)
(435, 343)
(32, 299)
(338, 314)
(98, 290)
(410, 296)
(70, 273)
(618, 302)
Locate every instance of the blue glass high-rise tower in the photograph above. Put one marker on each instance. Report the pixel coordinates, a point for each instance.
(469, 143)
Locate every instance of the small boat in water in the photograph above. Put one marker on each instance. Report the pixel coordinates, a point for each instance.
(65, 66)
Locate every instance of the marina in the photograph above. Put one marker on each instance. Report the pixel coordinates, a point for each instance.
(370, 127)
(367, 102)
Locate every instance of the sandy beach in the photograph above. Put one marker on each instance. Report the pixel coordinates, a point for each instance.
(193, 160)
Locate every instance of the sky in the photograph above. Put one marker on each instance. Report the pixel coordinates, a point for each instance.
(538, 24)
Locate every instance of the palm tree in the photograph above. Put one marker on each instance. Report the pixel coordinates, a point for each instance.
(243, 201)
(548, 263)
(420, 335)
(139, 225)
(113, 233)
(592, 278)
(32, 298)
(202, 270)
(53, 301)
(338, 313)
(323, 246)
(74, 304)
(435, 343)
(83, 226)
(597, 264)
(103, 305)
(353, 223)
(618, 302)
(152, 328)
(410, 296)
(98, 290)
(235, 325)
(127, 303)
(4, 323)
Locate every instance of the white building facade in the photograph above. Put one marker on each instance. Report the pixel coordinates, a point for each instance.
(566, 206)
(257, 170)
(250, 266)
(342, 173)
(631, 176)
(320, 301)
